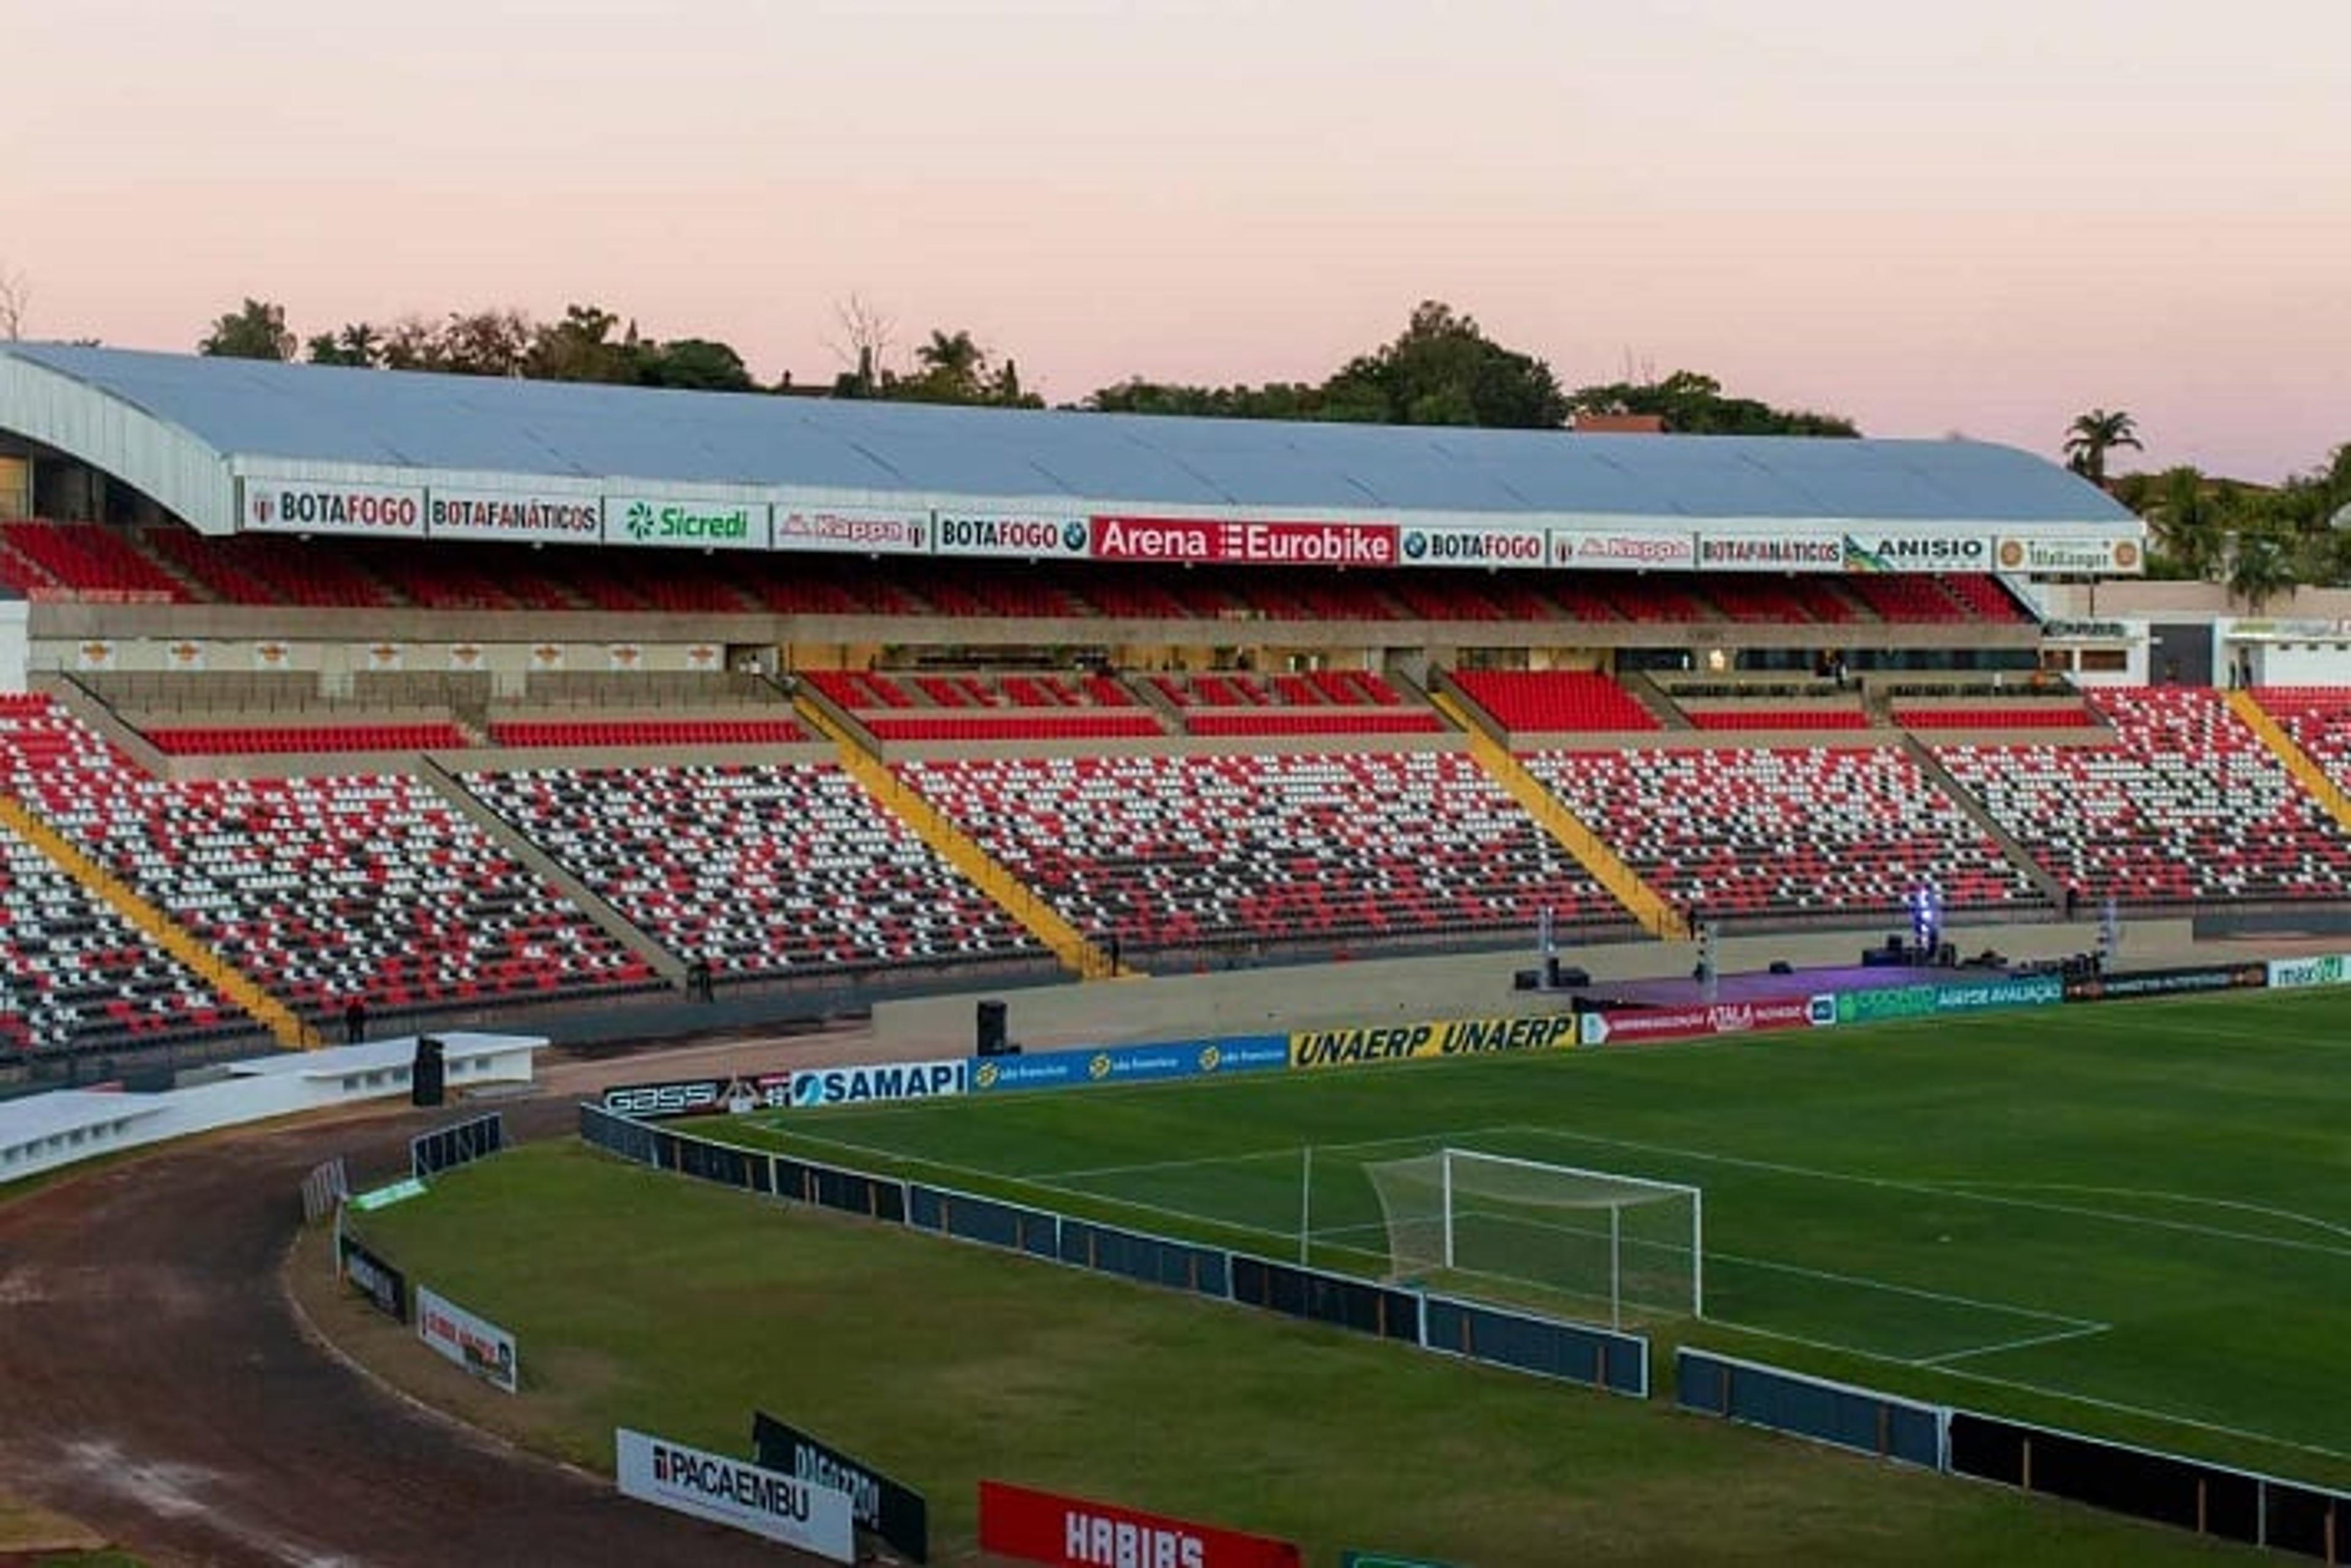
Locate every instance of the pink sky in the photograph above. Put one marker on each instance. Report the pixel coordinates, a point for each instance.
(1980, 218)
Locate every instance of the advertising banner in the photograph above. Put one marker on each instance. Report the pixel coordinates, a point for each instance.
(1623, 550)
(1131, 1063)
(1072, 1532)
(1245, 543)
(1502, 545)
(819, 1086)
(514, 515)
(733, 1491)
(1688, 1023)
(1770, 552)
(383, 1285)
(2299, 974)
(1018, 535)
(2184, 980)
(678, 1097)
(2062, 556)
(681, 522)
(1416, 1041)
(896, 1513)
(867, 530)
(478, 1344)
(1927, 1001)
(315, 507)
(1917, 550)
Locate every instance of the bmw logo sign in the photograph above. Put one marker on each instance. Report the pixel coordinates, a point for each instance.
(1073, 535)
(1416, 544)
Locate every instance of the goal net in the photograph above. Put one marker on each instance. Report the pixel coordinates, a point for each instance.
(1632, 1246)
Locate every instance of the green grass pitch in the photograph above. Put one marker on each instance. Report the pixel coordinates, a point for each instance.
(2131, 1220)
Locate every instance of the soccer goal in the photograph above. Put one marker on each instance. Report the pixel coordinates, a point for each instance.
(1635, 1246)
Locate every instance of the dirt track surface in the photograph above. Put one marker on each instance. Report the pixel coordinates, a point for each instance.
(156, 1385)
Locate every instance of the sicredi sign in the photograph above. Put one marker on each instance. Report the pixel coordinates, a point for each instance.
(312, 506)
(1621, 550)
(677, 522)
(871, 530)
(731, 1491)
(1015, 533)
(1073, 1532)
(514, 515)
(1500, 545)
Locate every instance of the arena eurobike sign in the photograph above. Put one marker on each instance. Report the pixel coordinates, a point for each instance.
(1243, 541)
(683, 522)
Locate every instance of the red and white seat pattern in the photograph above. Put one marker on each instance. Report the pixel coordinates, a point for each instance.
(75, 976)
(2318, 719)
(986, 706)
(1796, 831)
(1183, 852)
(319, 889)
(2186, 804)
(762, 870)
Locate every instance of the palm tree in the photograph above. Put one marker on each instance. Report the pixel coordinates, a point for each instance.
(2093, 435)
(953, 358)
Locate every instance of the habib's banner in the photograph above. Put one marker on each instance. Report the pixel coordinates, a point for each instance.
(870, 530)
(734, 1492)
(1621, 550)
(1416, 1041)
(1072, 1533)
(1245, 543)
(315, 507)
(1018, 535)
(514, 515)
(1501, 545)
(478, 1344)
(1632, 1027)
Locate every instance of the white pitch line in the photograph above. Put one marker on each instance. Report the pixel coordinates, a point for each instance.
(2074, 1323)
(2082, 1331)
(1288, 1151)
(1939, 1190)
(2310, 1220)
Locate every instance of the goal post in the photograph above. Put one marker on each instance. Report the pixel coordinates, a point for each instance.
(1633, 1245)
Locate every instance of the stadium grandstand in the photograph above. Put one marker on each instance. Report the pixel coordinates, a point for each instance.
(465, 697)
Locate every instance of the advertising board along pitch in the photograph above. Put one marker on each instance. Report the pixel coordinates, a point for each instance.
(727, 1491)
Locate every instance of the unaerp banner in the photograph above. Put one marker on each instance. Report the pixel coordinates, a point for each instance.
(734, 1492)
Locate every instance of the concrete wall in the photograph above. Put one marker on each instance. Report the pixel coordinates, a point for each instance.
(1272, 1001)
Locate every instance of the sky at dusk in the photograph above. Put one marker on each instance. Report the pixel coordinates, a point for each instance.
(1980, 218)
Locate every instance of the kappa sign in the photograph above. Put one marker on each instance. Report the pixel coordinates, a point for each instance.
(1070, 1532)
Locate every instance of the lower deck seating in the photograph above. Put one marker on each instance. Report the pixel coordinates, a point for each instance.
(1180, 852)
(1755, 716)
(762, 870)
(75, 976)
(280, 741)
(2186, 804)
(1789, 831)
(2318, 720)
(623, 732)
(2054, 715)
(987, 705)
(1558, 701)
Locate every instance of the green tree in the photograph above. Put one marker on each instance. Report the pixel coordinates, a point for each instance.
(1689, 403)
(582, 348)
(356, 344)
(2260, 566)
(1443, 370)
(2093, 435)
(696, 363)
(255, 330)
(2189, 520)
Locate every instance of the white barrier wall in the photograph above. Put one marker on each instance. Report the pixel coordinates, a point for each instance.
(15, 644)
(45, 1131)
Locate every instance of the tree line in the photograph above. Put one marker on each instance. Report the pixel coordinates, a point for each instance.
(2260, 541)
(1441, 370)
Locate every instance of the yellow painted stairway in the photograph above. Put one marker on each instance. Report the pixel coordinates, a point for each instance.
(2306, 773)
(961, 850)
(158, 929)
(1657, 916)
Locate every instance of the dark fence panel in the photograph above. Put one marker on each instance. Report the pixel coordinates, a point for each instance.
(1601, 1357)
(1357, 1304)
(2314, 1524)
(617, 1135)
(876, 1198)
(1149, 1259)
(716, 1162)
(969, 1219)
(1856, 1419)
(445, 1148)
